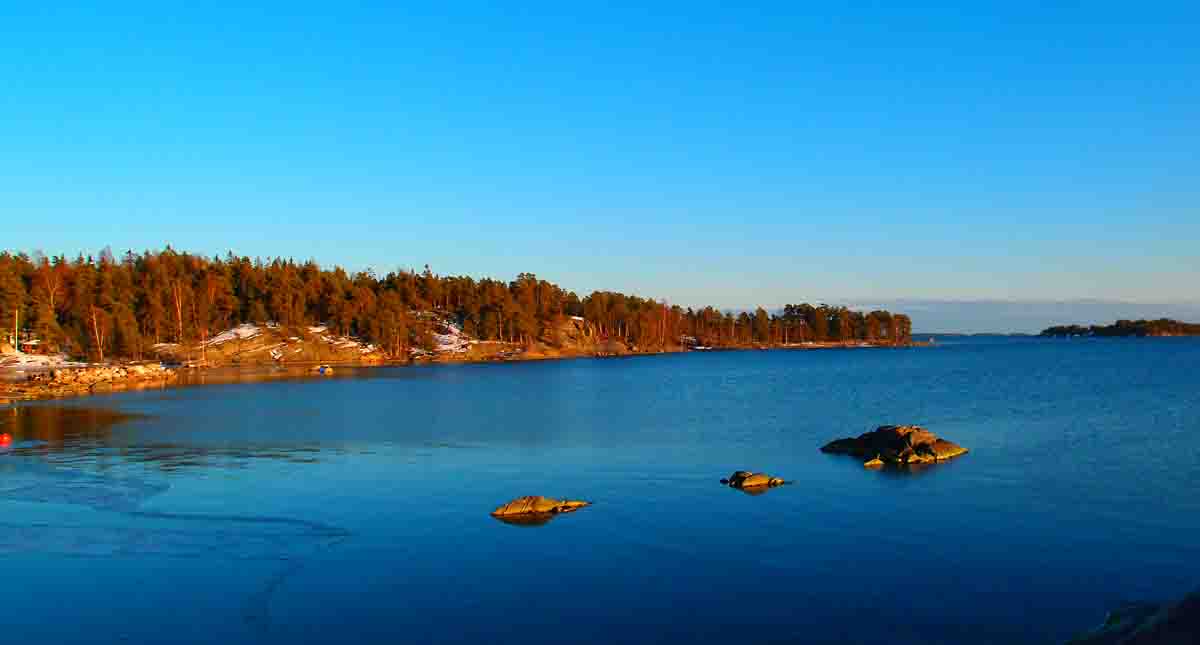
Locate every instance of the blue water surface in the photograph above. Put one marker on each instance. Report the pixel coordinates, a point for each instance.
(356, 508)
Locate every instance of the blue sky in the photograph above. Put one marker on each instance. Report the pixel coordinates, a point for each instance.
(692, 151)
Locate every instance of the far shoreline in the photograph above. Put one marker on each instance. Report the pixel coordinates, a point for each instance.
(13, 391)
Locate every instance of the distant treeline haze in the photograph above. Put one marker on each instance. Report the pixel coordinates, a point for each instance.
(1160, 327)
(108, 307)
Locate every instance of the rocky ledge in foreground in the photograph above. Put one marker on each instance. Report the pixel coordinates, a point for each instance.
(896, 445)
(536, 510)
(66, 382)
(1148, 624)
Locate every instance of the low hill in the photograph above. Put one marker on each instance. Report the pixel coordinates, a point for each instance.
(1160, 327)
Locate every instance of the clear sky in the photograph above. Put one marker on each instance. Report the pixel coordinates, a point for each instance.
(700, 152)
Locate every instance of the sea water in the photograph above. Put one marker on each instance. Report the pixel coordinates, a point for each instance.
(356, 507)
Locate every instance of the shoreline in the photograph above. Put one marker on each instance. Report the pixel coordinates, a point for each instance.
(43, 385)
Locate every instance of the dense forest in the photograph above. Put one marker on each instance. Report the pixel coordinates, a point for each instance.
(1160, 327)
(107, 306)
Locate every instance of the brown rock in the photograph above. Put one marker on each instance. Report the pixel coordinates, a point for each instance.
(896, 445)
(842, 447)
(747, 480)
(943, 449)
(533, 505)
(1149, 624)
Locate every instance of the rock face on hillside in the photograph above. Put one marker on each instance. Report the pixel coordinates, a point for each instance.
(896, 445)
(1149, 624)
(272, 344)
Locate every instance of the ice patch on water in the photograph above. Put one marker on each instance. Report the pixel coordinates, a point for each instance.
(100, 493)
(123, 529)
(173, 536)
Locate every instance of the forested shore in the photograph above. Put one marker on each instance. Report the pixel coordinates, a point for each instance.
(1123, 328)
(107, 307)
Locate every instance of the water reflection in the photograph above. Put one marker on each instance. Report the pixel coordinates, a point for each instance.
(56, 427)
(265, 373)
(79, 436)
(527, 520)
(754, 491)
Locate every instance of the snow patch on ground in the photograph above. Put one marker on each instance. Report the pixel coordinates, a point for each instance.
(450, 338)
(36, 361)
(241, 332)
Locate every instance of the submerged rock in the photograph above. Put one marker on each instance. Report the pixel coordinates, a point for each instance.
(537, 505)
(896, 445)
(1148, 624)
(753, 483)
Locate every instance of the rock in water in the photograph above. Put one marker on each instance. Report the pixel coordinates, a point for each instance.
(1147, 624)
(538, 505)
(896, 445)
(752, 482)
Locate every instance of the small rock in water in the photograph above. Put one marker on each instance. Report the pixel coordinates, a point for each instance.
(754, 482)
(535, 509)
(1148, 624)
(896, 445)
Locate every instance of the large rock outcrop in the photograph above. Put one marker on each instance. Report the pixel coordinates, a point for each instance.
(896, 445)
(1148, 624)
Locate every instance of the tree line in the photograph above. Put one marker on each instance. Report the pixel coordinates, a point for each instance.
(1160, 327)
(107, 306)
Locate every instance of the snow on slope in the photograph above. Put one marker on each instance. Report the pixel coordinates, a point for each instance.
(453, 340)
(244, 331)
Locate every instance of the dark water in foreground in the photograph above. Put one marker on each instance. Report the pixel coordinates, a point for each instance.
(356, 508)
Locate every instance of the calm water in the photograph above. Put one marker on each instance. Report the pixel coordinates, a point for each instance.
(357, 507)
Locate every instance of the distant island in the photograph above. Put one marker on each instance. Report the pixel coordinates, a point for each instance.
(234, 310)
(1122, 328)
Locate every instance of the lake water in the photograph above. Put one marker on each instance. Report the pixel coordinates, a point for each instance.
(356, 508)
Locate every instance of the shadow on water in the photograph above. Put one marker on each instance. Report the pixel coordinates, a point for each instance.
(78, 435)
(918, 470)
(899, 470)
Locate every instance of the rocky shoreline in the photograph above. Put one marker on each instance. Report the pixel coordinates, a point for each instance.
(82, 380)
(76, 381)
